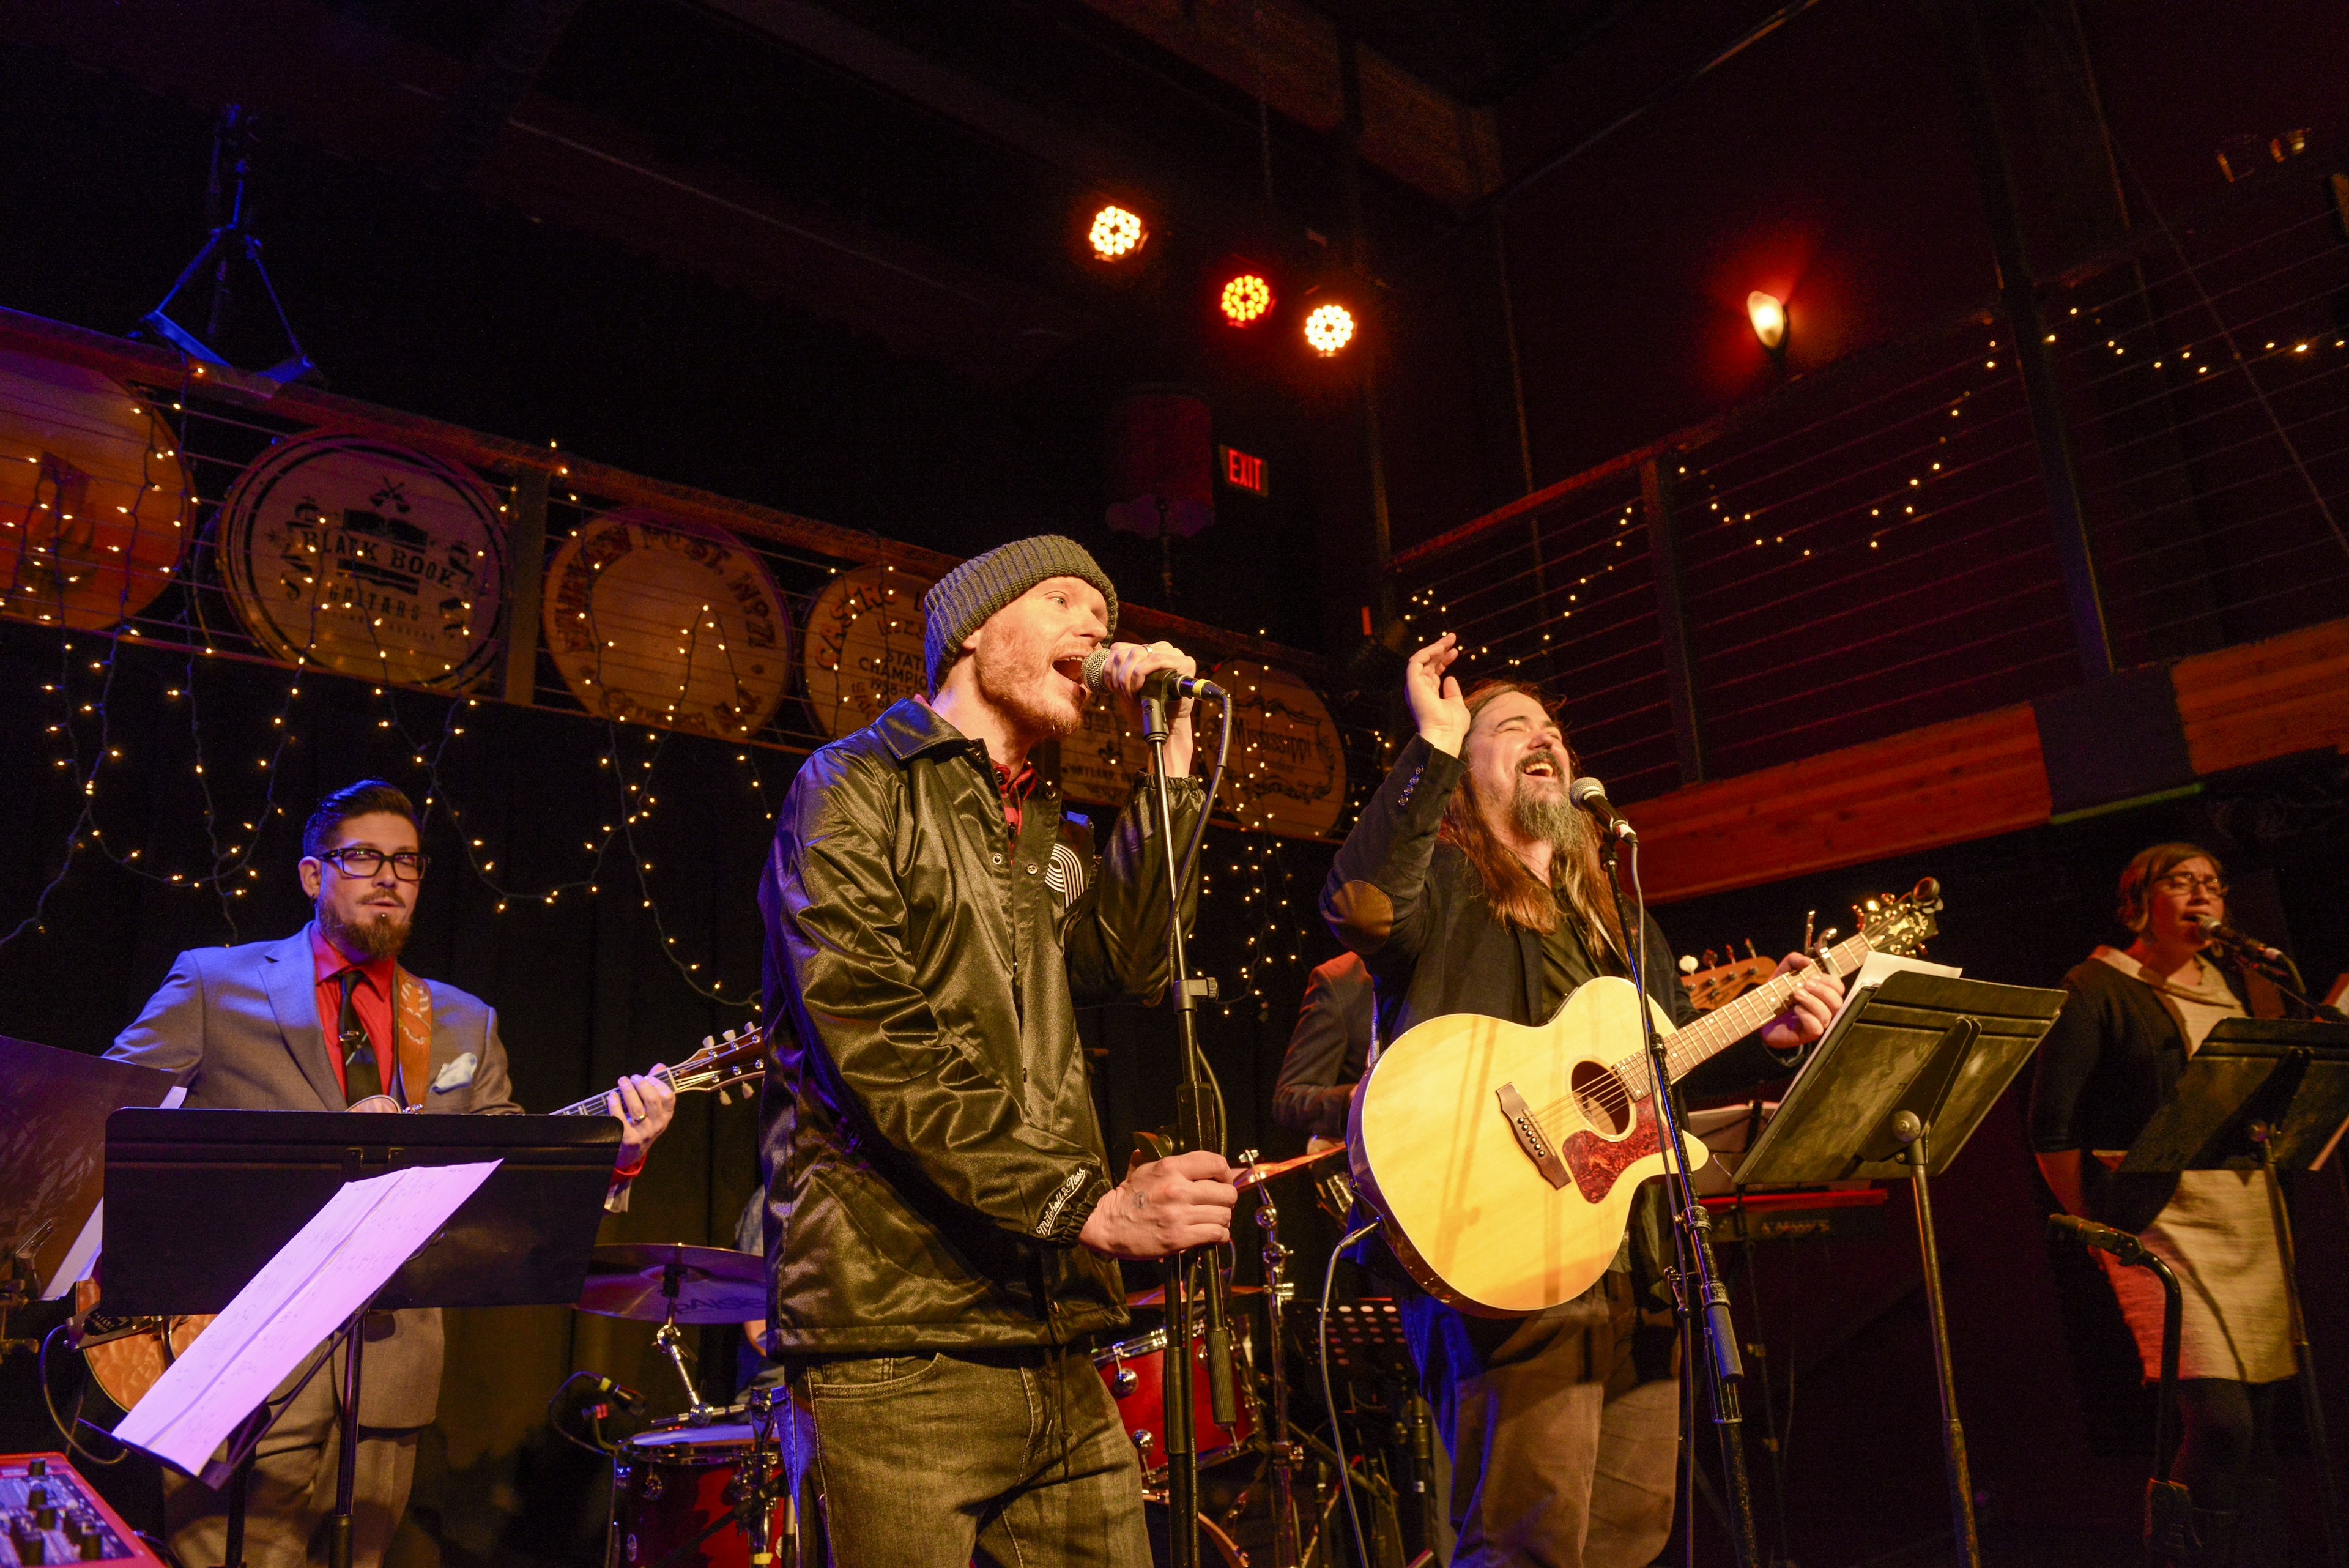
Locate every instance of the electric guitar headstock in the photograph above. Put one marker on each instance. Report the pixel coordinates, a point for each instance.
(723, 1062)
(1715, 984)
(1900, 923)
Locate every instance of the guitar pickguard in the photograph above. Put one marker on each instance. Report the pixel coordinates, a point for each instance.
(1598, 1163)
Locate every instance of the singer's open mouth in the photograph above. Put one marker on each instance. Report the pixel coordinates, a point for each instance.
(1071, 668)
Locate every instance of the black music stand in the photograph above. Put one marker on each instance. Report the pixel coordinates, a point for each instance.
(523, 1238)
(1892, 1093)
(52, 1160)
(2271, 1094)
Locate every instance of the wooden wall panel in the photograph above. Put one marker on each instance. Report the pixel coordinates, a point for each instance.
(1970, 778)
(2244, 705)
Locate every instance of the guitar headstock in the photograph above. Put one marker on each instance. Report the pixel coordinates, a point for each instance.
(1709, 988)
(737, 1056)
(1900, 923)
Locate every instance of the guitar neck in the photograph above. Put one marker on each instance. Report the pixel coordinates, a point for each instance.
(1688, 1049)
(593, 1105)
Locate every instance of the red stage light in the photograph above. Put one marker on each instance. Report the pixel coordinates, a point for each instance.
(1116, 232)
(1245, 299)
(1329, 328)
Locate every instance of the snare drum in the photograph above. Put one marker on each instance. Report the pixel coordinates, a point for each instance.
(670, 1483)
(1135, 1370)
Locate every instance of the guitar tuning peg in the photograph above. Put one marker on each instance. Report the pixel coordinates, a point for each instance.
(1749, 949)
(725, 1096)
(730, 1037)
(1688, 964)
(707, 1043)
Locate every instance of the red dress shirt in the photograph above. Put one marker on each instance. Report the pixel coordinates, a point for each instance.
(372, 999)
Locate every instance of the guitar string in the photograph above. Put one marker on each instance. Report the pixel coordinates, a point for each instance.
(1615, 1098)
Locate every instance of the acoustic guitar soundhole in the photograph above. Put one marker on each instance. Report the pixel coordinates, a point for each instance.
(1601, 1095)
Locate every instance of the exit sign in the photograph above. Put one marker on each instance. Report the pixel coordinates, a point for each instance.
(1242, 471)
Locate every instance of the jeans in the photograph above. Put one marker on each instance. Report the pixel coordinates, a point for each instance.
(1014, 1458)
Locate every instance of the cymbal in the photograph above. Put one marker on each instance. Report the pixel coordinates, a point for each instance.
(1156, 1296)
(654, 1281)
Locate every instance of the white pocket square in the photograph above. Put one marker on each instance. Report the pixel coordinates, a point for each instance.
(457, 1074)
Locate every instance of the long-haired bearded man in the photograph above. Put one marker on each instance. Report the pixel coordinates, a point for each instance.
(1471, 884)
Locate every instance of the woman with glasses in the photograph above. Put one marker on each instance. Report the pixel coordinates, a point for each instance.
(2132, 1019)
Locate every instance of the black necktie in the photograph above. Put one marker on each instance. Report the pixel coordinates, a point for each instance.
(360, 1077)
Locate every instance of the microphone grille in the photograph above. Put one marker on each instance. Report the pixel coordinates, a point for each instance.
(1096, 673)
(1585, 790)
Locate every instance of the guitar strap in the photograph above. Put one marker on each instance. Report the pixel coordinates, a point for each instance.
(411, 1017)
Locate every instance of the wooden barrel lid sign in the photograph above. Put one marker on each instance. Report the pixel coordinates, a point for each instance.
(93, 502)
(1287, 770)
(657, 621)
(862, 648)
(367, 558)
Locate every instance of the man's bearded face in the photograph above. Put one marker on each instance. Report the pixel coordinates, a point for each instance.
(368, 917)
(1031, 655)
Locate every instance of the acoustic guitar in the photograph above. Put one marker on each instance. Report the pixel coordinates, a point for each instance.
(1502, 1158)
(126, 1355)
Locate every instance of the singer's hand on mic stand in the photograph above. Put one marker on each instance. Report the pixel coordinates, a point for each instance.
(1130, 664)
(1164, 1207)
(1437, 708)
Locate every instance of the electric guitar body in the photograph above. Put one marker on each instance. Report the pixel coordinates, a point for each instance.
(1502, 1158)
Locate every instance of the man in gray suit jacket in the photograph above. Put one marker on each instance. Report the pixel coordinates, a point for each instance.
(248, 1028)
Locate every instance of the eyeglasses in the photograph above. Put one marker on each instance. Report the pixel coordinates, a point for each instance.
(2187, 882)
(407, 866)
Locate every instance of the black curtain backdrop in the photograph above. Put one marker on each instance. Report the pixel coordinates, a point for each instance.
(585, 987)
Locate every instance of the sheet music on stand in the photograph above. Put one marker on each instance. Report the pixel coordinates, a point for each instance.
(318, 1281)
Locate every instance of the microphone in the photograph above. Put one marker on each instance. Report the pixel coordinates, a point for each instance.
(620, 1394)
(2226, 935)
(1159, 686)
(1591, 795)
(2103, 1238)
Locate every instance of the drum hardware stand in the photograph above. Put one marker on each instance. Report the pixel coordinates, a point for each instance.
(1697, 1288)
(1286, 1454)
(1192, 1131)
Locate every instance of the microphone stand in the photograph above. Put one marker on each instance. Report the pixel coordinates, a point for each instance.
(1192, 1130)
(1697, 1289)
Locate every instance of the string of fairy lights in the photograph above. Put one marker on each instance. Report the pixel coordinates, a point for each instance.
(236, 755)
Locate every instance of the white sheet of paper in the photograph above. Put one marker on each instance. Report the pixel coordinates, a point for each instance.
(316, 1281)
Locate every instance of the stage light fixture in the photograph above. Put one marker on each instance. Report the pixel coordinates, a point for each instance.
(1116, 234)
(1245, 299)
(1768, 314)
(1329, 328)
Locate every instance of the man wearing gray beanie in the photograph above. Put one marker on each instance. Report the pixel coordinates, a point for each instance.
(942, 1226)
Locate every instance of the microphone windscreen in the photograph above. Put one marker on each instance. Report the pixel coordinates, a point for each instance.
(1096, 675)
(1585, 790)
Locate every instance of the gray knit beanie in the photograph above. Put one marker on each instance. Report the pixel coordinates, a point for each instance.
(963, 599)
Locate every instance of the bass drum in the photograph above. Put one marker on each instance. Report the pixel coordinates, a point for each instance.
(670, 1484)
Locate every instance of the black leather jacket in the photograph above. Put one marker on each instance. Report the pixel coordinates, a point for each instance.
(930, 1145)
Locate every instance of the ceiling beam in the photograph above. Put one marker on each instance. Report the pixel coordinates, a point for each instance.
(1423, 137)
(357, 91)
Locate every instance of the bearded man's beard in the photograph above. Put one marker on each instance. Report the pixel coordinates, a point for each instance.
(1015, 675)
(377, 934)
(1545, 813)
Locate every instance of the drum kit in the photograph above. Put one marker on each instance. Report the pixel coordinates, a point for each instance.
(709, 1487)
